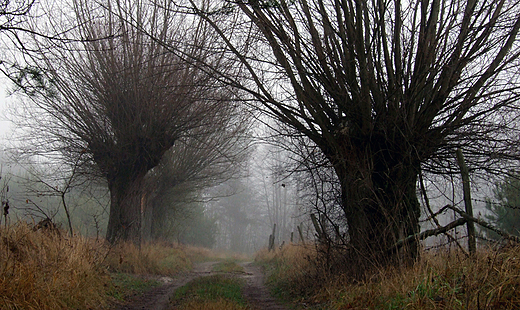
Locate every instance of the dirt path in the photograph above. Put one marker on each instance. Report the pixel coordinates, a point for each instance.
(159, 298)
(255, 291)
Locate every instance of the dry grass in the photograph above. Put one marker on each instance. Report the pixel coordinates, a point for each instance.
(221, 304)
(198, 254)
(43, 270)
(291, 271)
(441, 280)
(150, 258)
(46, 269)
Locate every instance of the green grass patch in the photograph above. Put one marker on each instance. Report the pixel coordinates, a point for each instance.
(124, 285)
(228, 265)
(210, 289)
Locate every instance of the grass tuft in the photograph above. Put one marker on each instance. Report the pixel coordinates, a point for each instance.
(220, 304)
(124, 285)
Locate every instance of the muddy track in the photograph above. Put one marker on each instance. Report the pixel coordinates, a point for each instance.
(255, 291)
(159, 297)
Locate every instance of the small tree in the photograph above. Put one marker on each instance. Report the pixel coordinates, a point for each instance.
(504, 208)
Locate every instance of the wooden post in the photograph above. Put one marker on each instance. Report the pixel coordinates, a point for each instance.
(301, 234)
(472, 245)
(271, 239)
(317, 226)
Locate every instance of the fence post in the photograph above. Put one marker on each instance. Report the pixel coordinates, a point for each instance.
(317, 227)
(271, 239)
(472, 245)
(301, 234)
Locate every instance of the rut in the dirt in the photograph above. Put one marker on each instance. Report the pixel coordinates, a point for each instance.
(159, 298)
(255, 291)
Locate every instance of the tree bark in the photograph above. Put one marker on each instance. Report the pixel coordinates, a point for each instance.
(124, 223)
(380, 203)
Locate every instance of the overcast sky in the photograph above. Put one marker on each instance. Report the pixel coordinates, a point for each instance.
(5, 125)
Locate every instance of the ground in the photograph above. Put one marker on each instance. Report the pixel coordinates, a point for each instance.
(255, 291)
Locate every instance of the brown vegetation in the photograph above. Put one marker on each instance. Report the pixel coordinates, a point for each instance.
(41, 270)
(45, 269)
(438, 280)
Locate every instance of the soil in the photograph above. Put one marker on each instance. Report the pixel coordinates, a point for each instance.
(255, 291)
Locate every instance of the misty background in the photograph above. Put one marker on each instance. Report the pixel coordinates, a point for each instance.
(236, 214)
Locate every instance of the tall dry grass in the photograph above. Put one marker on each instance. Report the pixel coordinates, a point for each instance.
(292, 271)
(149, 258)
(45, 270)
(440, 280)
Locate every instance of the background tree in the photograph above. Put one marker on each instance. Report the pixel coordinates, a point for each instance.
(381, 88)
(119, 99)
(504, 208)
(203, 159)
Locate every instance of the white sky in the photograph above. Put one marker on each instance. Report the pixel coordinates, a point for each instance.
(5, 125)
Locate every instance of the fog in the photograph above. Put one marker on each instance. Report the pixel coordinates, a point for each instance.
(240, 211)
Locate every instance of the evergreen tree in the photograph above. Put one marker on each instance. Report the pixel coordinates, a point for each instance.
(504, 209)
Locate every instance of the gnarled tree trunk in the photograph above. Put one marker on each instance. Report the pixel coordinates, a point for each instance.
(125, 207)
(379, 202)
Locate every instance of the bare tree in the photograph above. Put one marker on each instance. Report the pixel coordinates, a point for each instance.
(119, 99)
(381, 88)
(203, 159)
(12, 14)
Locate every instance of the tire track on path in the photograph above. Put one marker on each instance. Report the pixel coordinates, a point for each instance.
(159, 298)
(254, 291)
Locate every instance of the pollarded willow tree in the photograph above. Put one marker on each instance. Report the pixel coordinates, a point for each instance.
(381, 87)
(201, 160)
(120, 100)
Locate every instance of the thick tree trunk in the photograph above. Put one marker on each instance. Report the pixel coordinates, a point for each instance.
(380, 205)
(124, 222)
(160, 220)
(147, 218)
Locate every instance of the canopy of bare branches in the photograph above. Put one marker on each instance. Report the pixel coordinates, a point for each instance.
(384, 89)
